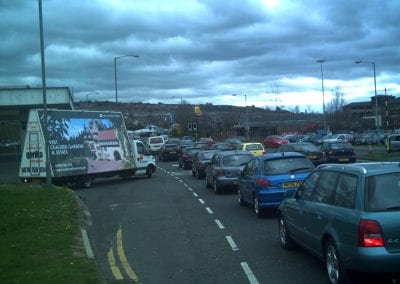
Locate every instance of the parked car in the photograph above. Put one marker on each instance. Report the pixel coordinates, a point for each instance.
(207, 140)
(367, 138)
(274, 141)
(233, 142)
(338, 152)
(348, 216)
(339, 138)
(221, 146)
(313, 152)
(200, 161)
(168, 152)
(185, 157)
(255, 148)
(185, 143)
(203, 145)
(224, 168)
(266, 179)
(293, 137)
(392, 143)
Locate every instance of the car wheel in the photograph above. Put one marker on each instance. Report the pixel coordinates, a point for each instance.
(86, 182)
(335, 273)
(216, 187)
(259, 211)
(149, 171)
(206, 182)
(284, 238)
(240, 198)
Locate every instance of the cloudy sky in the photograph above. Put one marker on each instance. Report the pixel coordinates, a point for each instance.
(204, 51)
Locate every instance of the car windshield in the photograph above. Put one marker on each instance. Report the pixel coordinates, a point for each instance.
(287, 165)
(383, 192)
(236, 160)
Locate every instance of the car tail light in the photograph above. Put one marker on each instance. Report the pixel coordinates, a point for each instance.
(262, 182)
(263, 151)
(369, 234)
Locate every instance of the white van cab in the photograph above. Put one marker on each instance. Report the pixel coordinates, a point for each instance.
(155, 143)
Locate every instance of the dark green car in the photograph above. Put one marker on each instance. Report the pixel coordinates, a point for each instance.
(349, 216)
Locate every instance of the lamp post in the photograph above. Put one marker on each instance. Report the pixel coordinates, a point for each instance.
(376, 98)
(87, 97)
(115, 75)
(247, 119)
(323, 93)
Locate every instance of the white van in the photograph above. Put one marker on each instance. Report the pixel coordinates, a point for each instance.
(155, 143)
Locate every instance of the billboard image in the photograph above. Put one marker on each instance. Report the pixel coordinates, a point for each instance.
(86, 142)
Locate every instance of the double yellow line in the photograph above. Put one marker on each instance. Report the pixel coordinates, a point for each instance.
(122, 258)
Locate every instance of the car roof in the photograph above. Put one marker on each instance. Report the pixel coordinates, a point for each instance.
(250, 143)
(234, 152)
(369, 169)
(280, 155)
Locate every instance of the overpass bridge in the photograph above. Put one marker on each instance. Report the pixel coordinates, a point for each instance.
(15, 103)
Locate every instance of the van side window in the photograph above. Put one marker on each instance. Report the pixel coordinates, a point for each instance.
(141, 149)
(325, 188)
(346, 191)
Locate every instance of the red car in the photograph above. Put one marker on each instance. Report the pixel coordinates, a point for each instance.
(274, 141)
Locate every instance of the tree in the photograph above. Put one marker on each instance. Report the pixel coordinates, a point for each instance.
(335, 110)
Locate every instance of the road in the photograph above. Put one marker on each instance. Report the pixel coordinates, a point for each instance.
(171, 229)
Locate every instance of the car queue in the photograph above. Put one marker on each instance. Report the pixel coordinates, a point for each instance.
(345, 213)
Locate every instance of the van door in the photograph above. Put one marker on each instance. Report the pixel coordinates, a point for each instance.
(142, 156)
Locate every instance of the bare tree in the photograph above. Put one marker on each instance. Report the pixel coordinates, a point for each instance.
(337, 102)
(335, 110)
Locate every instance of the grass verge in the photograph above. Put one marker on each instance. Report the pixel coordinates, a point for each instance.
(40, 238)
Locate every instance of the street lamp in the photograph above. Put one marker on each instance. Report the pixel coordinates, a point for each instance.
(323, 93)
(376, 98)
(247, 119)
(115, 75)
(87, 97)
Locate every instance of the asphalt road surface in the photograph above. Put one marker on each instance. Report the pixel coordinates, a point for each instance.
(171, 229)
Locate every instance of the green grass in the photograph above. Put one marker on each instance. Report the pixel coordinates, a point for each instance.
(40, 238)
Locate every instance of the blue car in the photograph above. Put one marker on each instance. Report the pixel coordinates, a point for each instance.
(266, 180)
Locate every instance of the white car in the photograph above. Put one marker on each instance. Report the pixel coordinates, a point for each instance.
(155, 143)
(340, 138)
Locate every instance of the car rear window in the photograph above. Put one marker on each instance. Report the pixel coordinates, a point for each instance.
(236, 160)
(252, 147)
(287, 165)
(383, 192)
(206, 155)
(156, 140)
(341, 145)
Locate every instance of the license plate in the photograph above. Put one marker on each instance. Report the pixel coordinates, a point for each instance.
(343, 159)
(313, 157)
(172, 152)
(291, 184)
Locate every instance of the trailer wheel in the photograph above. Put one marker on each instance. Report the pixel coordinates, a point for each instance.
(86, 182)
